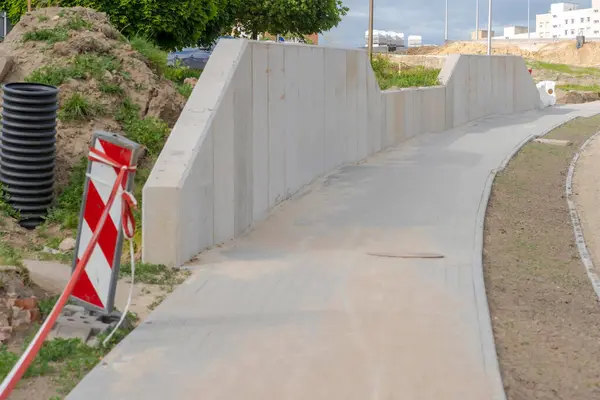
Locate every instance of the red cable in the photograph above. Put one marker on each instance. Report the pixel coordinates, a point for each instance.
(28, 356)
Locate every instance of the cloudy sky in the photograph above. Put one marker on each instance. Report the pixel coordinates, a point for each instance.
(426, 18)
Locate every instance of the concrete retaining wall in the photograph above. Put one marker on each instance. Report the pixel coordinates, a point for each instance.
(266, 119)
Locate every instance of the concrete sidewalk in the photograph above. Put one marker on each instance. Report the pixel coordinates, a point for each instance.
(299, 309)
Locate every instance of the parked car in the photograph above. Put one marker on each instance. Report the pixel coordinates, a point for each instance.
(193, 57)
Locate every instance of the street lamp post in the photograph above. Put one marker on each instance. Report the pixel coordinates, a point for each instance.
(370, 30)
(477, 20)
(446, 24)
(528, 19)
(489, 47)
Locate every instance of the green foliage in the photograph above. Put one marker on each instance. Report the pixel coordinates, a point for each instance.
(68, 205)
(170, 24)
(154, 274)
(149, 132)
(179, 72)
(579, 88)
(77, 108)
(184, 89)
(9, 255)
(50, 36)
(157, 58)
(111, 88)
(389, 75)
(76, 23)
(46, 304)
(81, 66)
(287, 17)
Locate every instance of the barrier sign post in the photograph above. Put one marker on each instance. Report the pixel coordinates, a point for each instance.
(96, 286)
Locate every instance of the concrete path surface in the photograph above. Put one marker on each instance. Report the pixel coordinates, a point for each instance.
(301, 309)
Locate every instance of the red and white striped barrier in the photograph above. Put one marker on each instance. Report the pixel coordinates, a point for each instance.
(96, 286)
(111, 151)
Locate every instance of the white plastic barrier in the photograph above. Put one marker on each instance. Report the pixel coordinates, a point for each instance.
(547, 91)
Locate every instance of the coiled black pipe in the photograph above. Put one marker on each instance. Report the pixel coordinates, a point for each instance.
(28, 149)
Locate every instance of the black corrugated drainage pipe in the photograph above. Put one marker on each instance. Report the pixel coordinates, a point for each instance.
(28, 149)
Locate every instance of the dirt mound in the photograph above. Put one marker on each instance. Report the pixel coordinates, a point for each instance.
(96, 70)
(574, 97)
(567, 53)
(469, 48)
(564, 52)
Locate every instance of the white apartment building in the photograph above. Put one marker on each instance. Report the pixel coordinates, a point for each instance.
(566, 20)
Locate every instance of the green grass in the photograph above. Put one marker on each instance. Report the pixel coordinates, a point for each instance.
(79, 108)
(563, 68)
(184, 89)
(50, 36)
(111, 88)
(179, 72)
(156, 57)
(9, 255)
(66, 361)
(388, 75)
(79, 67)
(581, 88)
(149, 132)
(76, 23)
(68, 204)
(43, 18)
(154, 274)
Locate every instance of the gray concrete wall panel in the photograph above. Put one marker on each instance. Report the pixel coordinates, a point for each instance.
(266, 119)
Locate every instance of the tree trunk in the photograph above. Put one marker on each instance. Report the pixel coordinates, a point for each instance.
(254, 36)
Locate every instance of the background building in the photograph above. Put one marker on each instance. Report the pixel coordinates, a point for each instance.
(567, 20)
(480, 34)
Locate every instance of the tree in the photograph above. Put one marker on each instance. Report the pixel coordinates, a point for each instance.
(292, 17)
(169, 23)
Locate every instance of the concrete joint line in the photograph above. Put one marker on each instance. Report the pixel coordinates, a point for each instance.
(584, 254)
(490, 356)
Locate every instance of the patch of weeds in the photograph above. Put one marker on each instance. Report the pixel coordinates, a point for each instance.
(154, 274)
(139, 86)
(50, 36)
(149, 132)
(563, 68)
(581, 88)
(390, 75)
(111, 88)
(68, 205)
(7, 360)
(126, 75)
(50, 75)
(77, 23)
(157, 301)
(94, 65)
(179, 72)
(5, 207)
(9, 255)
(43, 18)
(79, 108)
(80, 67)
(61, 13)
(155, 56)
(46, 304)
(184, 89)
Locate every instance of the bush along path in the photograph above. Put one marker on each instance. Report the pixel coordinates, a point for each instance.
(107, 82)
